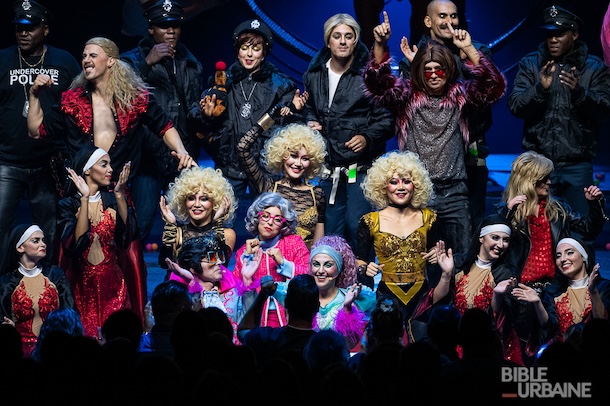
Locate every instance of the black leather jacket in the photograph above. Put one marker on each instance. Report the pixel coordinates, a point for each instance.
(177, 86)
(559, 123)
(351, 112)
(222, 133)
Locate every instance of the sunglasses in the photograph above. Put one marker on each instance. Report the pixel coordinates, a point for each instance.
(543, 181)
(440, 72)
(25, 27)
(164, 25)
(214, 257)
(264, 216)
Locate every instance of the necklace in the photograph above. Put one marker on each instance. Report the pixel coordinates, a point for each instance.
(26, 103)
(399, 205)
(40, 61)
(94, 208)
(246, 109)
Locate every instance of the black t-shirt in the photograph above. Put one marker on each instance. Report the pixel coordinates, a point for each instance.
(16, 77)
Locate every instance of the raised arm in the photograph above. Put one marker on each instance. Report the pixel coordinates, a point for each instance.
(82, 221)
(444, 258)
(524, 292)
(260, 179)
(119, 192)
(598, 309)
(382, 34)
(463, 40)
(35, 112)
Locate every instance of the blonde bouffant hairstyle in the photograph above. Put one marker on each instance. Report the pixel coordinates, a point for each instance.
(124, 85)
(404, 164)
(526, 170)
(288, 140)
(207, 181)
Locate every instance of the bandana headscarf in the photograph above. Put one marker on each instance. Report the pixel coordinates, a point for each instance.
(331, 252)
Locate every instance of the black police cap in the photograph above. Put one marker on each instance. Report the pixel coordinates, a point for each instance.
(560, 19)
(164, 11)
(257, 27)
(28, 12)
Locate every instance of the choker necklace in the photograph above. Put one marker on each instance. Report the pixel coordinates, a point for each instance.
(398, 206)
(246, 109)
(483, 264)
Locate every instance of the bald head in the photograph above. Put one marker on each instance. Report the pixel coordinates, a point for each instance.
(440, 14)
(435, 3)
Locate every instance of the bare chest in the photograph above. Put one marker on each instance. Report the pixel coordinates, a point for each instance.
(104, 124)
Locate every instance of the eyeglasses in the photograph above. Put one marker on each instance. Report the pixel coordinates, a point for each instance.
(214, 257)
(264, 216)
(440, 73)
(543, 181)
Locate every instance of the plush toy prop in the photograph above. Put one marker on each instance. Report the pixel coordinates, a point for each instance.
(218, 89)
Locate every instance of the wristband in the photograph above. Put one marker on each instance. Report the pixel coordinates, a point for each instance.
(265, 122)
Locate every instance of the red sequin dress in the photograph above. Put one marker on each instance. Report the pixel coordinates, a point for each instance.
(100, 289)
(94, 262)
(28, 300)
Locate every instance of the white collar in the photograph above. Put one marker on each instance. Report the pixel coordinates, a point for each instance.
(483, 264)
(579, 283)
(29, 272)
(96, 197)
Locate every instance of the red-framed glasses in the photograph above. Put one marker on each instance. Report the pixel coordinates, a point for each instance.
(440, 72)
(264, 216)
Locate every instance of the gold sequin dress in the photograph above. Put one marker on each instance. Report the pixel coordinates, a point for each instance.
(404, 268)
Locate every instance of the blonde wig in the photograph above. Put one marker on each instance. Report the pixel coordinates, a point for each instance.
(526, 171)
(124, 84)
(338, 19)
(288, 140)
(207, 181)
(404, 164)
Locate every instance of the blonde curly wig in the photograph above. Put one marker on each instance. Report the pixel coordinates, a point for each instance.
(405, 164)
(289, 139)
(207, 180)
